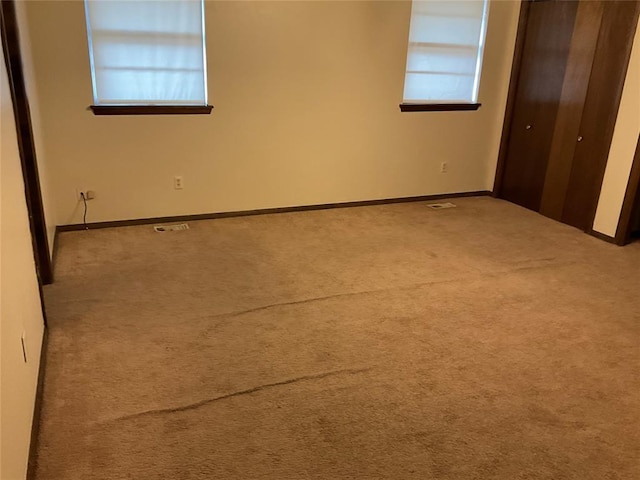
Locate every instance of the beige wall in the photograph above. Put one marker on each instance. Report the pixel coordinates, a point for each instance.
(623, 146)
(306, 111)
(19, 304)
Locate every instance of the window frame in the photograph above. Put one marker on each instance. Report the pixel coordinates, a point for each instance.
(151, 109)
(444, 106)
(438, 107)
(148, 109)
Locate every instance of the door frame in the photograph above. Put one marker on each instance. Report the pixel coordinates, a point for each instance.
(511, 96)
(630, 203)
(26, 145)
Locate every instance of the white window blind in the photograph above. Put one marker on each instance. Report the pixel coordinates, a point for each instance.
(444, 58)
(147, 52)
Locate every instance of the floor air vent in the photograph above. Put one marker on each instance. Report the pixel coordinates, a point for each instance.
(440, 206)
(171, 228)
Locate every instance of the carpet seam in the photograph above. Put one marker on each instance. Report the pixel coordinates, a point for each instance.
(259, 388)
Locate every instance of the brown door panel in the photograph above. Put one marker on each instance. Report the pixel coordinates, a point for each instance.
(574, 92)
(619, 21)
(544, 60)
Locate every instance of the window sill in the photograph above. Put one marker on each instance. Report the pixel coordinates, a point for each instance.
(151, 109)
(438, 107)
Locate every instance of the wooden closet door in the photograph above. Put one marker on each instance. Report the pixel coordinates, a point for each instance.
(574, 59)
(542, 70)
(566, 134)
(610, 62)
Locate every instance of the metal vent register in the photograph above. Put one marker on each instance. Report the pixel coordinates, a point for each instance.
(440, 206)
(171, 228)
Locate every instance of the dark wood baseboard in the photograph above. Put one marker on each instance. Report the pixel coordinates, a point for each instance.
(265, 211)
(37, 408)
(602, 236)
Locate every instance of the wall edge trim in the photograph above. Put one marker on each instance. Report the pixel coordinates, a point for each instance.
(602, 236)
(266, 211)
(32, 464)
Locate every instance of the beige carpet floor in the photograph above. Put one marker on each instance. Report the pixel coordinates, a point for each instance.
(387, 342)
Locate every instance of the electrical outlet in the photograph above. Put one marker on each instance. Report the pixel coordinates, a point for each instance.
(178, 182)
(88, 194)
(444, 167)
(23, 342)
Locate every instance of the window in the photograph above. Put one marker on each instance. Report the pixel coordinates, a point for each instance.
(147, 54)
(444, 58)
